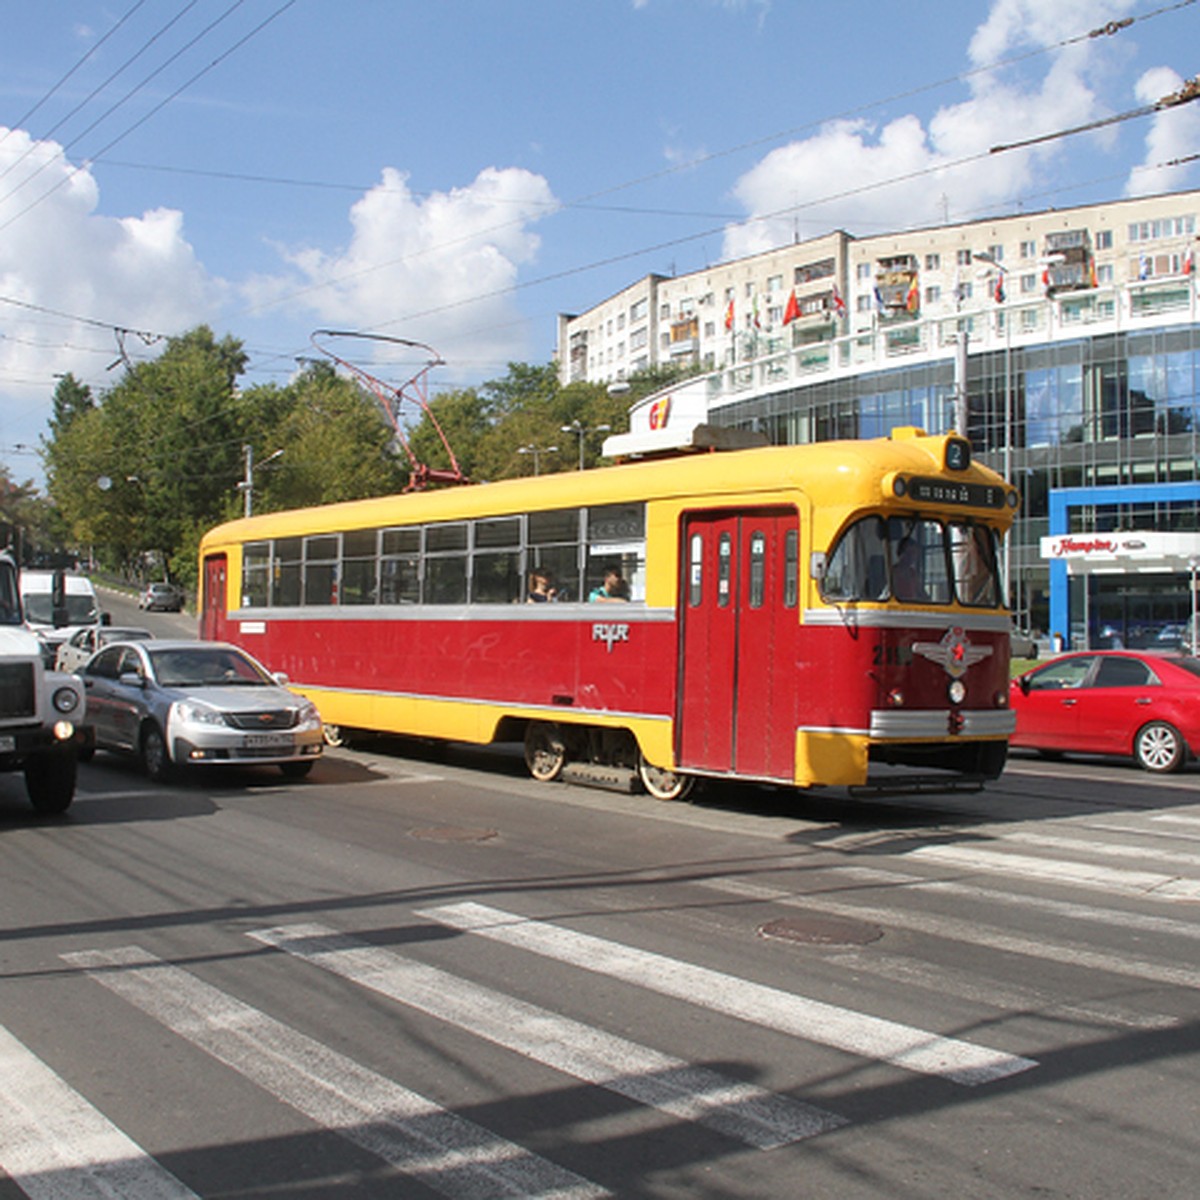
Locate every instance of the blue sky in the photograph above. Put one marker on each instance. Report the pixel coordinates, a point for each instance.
(459, 172)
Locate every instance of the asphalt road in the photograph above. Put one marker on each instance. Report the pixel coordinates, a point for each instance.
(420, 973)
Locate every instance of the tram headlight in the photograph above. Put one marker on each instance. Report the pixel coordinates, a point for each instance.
(900, 486)
(896, 698)
(957, 691)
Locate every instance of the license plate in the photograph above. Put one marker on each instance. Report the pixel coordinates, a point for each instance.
(8, 743)
(261, 740)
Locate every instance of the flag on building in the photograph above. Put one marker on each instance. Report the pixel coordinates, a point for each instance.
(839, 305)
(793, 309)
(1189, 260)
(998, 288)
(1144, 267)
(729, 317)
(757, 322)
(912, 301)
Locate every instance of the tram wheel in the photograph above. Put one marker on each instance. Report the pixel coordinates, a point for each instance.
(663, 784)
(545, 750)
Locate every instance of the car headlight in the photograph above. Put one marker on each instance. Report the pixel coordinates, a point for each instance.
(66, 700)
(198, 714)
(307, 714)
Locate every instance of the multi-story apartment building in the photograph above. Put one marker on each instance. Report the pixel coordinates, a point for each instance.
(1066, 342)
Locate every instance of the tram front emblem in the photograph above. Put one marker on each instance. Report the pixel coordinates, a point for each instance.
(954, 653)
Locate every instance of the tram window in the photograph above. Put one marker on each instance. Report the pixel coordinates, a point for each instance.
(616, 539)
(724, 570)
(256, 574)
(506, 531)
(758, 568)
(496, 577)
(696, 571)
(358, 566)
(400, 566)
(286, 584)
(446, 579)
(561, 563)
(446, 537)
(558, 525)
(857, 565)
(918, 561)
(976, 577)
(400, 580)
(320, 569)
(791, 568)
(401, 541)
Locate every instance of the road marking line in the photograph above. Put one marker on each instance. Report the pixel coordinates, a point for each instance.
(1025, 866)
(741, 1111)
(955, 930)
(1044, 904)
(55, 1146)
(857, 1033)
(1103, 849)
(447, 1153)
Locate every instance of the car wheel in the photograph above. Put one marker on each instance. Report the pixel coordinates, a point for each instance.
(1159, 747)
(155, 759)
(296, 770)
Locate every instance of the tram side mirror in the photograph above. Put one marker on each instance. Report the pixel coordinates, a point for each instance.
(816, 564)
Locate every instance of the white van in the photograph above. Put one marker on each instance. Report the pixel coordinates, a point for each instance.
(80, 607)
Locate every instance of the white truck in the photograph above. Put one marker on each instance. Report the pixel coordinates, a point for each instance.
(57, 615)
(41, 711)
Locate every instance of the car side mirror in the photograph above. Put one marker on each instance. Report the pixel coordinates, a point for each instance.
(131, 679)
(106, 618)
(280, 678)
(1023, 684)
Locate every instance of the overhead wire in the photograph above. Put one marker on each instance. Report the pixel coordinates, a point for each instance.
(23, 120)
(155, 109)
(1108, 30)
(33, 145)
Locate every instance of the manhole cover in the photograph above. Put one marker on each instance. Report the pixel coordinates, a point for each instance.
(821, 931)
(453, 833)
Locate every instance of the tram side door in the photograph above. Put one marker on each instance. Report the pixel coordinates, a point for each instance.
(212, 611)
(736, 711)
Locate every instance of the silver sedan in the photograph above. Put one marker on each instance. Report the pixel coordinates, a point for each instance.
(186, 703)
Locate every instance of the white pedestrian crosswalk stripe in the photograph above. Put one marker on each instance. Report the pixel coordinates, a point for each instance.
(857, 1033)
(54, 1145)
(447, 1153)
(669, 1084)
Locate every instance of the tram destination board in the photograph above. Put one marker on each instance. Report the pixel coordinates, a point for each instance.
(943, 491)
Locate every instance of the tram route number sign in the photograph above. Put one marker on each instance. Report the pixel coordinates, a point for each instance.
(969, 495)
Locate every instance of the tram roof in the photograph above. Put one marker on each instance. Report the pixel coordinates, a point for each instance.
(853, 471)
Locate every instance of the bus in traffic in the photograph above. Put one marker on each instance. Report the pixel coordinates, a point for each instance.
(804, 615)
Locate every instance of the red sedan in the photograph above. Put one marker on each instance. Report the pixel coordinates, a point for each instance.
(1112, 702)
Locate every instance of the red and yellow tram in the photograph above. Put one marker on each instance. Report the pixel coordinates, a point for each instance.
(793, 614)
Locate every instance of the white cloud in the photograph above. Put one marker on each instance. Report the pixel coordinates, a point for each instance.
(840, 177)
(437, 268)
(57, 253)
(1173, 133)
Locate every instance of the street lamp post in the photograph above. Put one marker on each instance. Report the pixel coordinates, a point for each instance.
(537, 452)
(246, 486)
(581, 431)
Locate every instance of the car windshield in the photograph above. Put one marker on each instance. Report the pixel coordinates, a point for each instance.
(206, 667)
(81, 610)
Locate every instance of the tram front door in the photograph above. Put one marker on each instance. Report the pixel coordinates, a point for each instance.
(738, 599)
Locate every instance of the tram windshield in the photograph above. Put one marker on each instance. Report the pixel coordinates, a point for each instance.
(915, 560)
